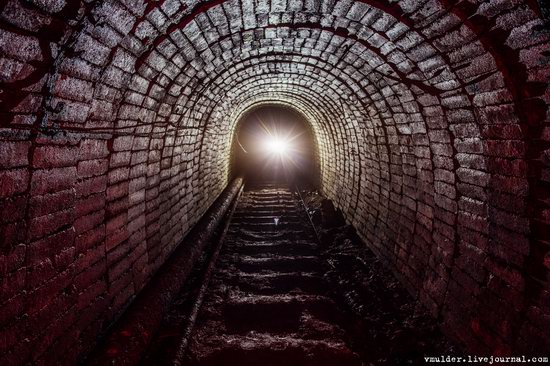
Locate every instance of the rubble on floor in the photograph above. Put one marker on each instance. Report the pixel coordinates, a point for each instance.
(391, 327)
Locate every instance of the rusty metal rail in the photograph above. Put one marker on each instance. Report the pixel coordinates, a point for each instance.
(266, 295)
(317, 236)
(182, 346)
(127, 340)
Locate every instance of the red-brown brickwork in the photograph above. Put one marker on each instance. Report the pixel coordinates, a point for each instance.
(431, 120)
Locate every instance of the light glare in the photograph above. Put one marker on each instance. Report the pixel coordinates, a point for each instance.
(276, 145)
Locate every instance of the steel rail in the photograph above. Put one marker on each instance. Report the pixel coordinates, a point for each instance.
(184, 341)
(125, 342)
(181, 350)
(317, 236)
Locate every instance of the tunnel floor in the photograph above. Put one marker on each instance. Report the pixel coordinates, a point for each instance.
(279, 296)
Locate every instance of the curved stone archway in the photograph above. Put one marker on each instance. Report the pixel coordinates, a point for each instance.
(117, 117)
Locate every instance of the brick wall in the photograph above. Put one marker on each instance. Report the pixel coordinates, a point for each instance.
(430, 117)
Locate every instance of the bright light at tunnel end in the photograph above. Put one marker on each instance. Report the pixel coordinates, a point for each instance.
(277, 145)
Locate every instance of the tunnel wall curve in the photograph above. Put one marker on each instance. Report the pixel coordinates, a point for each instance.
(432, 124)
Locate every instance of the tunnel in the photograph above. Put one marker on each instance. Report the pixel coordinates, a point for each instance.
(123, 124)
(275, 144)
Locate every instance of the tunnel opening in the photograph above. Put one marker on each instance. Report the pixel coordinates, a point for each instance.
(430, 126)
(275, 144)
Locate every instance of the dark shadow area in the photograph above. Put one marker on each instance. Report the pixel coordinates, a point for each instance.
(295, 290)
(274, 144)
(387, 325)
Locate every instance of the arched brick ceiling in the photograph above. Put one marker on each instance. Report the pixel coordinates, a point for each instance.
(430, 116)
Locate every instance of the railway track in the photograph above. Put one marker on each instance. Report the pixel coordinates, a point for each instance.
(265, 301)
